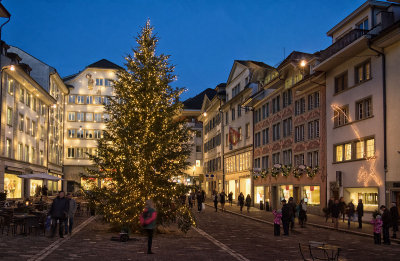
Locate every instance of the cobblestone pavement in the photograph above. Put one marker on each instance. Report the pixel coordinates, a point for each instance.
(223, 236)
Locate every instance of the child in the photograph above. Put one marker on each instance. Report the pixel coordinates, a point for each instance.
(377, 229)
(277, 222)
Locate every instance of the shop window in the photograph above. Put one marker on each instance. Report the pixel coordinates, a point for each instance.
(312, 195)
(35, 187)
(258, 194)
(12, 186)
(369, 196)
(285, 192)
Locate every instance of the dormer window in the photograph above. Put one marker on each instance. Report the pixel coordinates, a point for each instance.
(235, 90)
(363, 25)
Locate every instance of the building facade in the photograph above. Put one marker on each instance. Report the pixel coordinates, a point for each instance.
(84, 118)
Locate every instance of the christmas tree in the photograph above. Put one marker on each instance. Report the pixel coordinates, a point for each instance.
(145, 144)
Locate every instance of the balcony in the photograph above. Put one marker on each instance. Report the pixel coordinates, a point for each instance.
(343, 42)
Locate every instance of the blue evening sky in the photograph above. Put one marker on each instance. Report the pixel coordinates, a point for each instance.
(203, 37)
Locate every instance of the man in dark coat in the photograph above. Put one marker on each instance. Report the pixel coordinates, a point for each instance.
(286, 217)
(200, 199)
(293, 212)
(241, 201)
(394, 213)
(386, 219)
(335, 212)
(360, 212)
(59, 211)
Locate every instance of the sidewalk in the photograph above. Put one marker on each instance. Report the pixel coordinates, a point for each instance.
(312, 220)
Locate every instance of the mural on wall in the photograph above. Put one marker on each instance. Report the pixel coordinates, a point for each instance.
(90, 81)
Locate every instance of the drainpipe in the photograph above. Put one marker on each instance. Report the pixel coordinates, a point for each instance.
(384, 113)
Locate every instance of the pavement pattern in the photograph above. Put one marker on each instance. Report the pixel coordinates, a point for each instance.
(220, 236)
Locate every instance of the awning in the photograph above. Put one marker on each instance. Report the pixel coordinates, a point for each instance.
(39, 176)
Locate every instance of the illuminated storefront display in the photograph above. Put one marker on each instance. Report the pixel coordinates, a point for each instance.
(245, 187)
(232, 188)
(285, 192)
(106, 182)
(12, 186)
(35, 187)
(258, 194)
(313, 194)
(87, 183)
(369, 196)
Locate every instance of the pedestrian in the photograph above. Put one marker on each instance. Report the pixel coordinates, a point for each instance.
(44, 190)
(248, 202)
(394, 213)
(286, 216)
(69, 223)
(199, 198)
(59, 212)
(190, 201)
(302, 213)
(277, 221)
(335, 214)
(386, 220)
(293, 212)
(377, 222)
(230, 198)
(222, 198)
(215, 200)
(241, 201)
(148, 221)
(329, 209)
(360, 212)
(350, 213)
(342, 207)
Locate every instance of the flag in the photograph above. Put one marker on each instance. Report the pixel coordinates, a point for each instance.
(234, 136)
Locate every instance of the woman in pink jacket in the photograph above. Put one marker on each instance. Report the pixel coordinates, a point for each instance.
(377, 222)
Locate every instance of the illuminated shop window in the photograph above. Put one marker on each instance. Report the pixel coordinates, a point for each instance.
(312, 193)
(285, 192)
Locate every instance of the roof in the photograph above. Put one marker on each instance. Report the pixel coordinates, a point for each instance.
(196, 102)
(295, 55)
(105, 64)
(69, 77)
(249, 63)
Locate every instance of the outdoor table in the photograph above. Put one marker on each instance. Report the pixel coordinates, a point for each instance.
(22, 220)
(332, 251)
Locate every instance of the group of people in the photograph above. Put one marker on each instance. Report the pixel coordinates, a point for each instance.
(41, 191)
(287, 216)
(194, 196)
(62, 211)
(382, 223)
(338, 208)
(221, 198)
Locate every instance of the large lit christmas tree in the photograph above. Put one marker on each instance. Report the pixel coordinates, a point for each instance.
(145, 144)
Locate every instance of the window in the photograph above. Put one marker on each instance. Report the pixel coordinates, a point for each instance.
(233, 114)
(265, 110)
(309, 159)
(265, 137)
(276, 131)
(300, 106)
(33, 128)
(71, 133)
(28, 125)
(97, 117)
(240, 133)
(239, 110)
(313, 129)
(363, 25)
(341, 82)
(8, 148)
(198, 148)
(42, 132)
(276, 158)
(276, 104)
(20, 152)
(235, 90)
(33, 155)
(71, 153)
(339, 153)
(257, 115)
(312, 193)
(26, 153)
(257, 164)
(360, 149)
(364, 109)
(108, 82)
(299, 133)
(226, 139)
(89, 134)
(287, 127)
(79, 134)
(9, 116)
(97, 100)
(287, 98)
(71, 116)
(34, 104)
(287, 157)
(71, 99)
(226, 118)
(257, 139)
(97, 135)
(299, 159)
(341, 116)
(89, 99)
(41, 157)
(28, 99)
(247, 130)
(316, 99)
(80, 116)
(310, 102)
(89, 116)
(21, 94)
(107, 100)
(80, 99)
(316, 159)
(99, 82)
(347, 151)
(370, 148)
(264, 163)
(21, 122)
(10, 85)
(362, 72)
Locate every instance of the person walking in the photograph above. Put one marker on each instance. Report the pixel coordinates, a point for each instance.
(293, 212)
(248, 203)
(350, 213)
(148, 221)
(222, 198)
(230, 198)
(342, 207)
(286, 216)
(377, 222)
(69, 223)
(302, 213)
(190, 201)
(386, 219)
(59, 212)
(360, 212)
(335, 214)
(277, 221)
(329, 209)
(44, 190)
(241, 201)
(394, 213)
(199, 198)
(215, 195)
